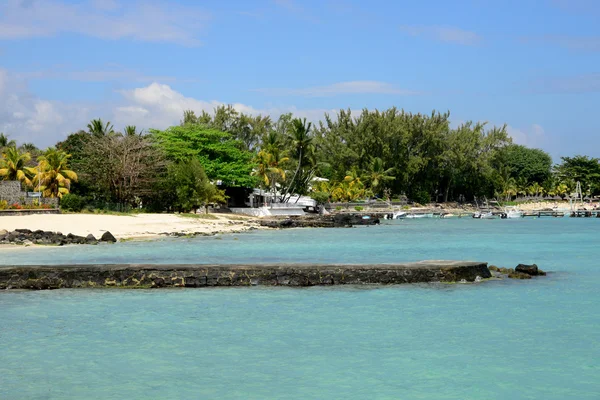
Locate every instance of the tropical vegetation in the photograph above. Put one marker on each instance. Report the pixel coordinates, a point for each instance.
(344, 157)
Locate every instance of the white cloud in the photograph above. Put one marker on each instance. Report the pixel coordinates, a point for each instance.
(447, 34)
(104, 19)
(28, 118)
(532, 136)
(351, 87)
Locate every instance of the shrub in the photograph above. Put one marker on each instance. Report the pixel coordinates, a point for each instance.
(358, 208)
(338, 208)
(72, 202)
(3, 204)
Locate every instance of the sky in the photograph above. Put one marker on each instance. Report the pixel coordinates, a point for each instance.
(534, 65)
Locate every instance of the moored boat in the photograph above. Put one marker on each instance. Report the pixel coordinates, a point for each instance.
(512, 212)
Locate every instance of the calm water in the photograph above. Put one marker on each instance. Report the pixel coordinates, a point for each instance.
(537, 339)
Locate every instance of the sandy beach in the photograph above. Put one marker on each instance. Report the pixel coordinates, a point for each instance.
(127, 226)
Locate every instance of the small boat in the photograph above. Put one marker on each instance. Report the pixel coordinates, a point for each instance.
(400, 215)
(413, 216)
(484, 215)
(511, 212)
(447, 215)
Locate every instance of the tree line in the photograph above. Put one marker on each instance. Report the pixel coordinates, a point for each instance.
(345, 157)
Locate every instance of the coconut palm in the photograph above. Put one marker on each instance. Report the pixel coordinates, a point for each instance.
(534, 189)
(55, 177)
(131, 130)
(99, 128)
(269, 168)
(509, 188)
(13, 166)
(4, 142)
(562, 190)
(301, 140)
(377, 174)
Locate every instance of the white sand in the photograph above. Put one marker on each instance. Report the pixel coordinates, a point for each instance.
(134, 226)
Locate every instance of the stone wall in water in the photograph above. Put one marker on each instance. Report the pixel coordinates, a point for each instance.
(12, 193)
(158, 276)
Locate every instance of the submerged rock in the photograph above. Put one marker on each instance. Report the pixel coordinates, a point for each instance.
(531, 270)
(519, 275)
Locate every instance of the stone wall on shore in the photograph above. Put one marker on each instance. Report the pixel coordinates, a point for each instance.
(185, 275)
(12, 193)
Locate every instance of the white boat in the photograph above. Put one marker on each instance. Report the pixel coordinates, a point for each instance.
(447, 215)
(484, 215)
(412, 216)
(511, 212)
(400, 214)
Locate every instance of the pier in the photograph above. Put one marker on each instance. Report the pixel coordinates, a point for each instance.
(39, 277)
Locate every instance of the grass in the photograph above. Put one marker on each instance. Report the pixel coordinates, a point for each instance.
(101, 212)
(199, 216)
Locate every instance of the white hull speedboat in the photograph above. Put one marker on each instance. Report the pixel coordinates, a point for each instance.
(484, 215)
(512, 213)
(414, 216)
(400, 215)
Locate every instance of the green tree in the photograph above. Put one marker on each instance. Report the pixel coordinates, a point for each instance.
(98, 128)
(5, 142)
(377, 175)
(222, 157)
(13, 166)
(533, 165)
(55, 177)
(301, 144)
(131, 130)
(580, 169)
(192, 187)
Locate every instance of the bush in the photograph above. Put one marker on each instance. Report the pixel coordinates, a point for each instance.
(338, 208)
(3, 205)
(358, 208)
(72, 202)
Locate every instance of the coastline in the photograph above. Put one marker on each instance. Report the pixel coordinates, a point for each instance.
(130, 227)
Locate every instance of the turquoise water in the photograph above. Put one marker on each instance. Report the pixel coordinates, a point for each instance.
(537, 339)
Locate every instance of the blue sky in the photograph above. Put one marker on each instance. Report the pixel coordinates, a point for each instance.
(530, 64)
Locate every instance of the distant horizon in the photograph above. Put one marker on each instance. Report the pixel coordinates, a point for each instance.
(529, 64)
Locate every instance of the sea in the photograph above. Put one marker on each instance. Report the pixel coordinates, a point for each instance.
(498, 339)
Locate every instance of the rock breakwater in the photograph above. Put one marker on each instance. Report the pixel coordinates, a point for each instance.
(185, 275)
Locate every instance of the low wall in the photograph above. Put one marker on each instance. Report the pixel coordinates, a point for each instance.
(185, 275)
(4, 213)
(12, 193)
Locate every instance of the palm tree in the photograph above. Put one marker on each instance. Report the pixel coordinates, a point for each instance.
(534, 189)
(4, 142)
(131, 130)
(55, 177)
(13, 166)
(562, 190)
(98, 128)
(269, 168)
(377, 173)
(28, 148)
(301, 142)
(510, 188)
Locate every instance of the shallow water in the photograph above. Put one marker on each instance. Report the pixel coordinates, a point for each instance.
(534, 339)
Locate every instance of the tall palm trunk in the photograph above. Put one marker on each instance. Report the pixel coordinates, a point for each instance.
(291, 185)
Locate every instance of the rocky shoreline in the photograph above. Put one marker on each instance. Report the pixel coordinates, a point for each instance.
(28, 237)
